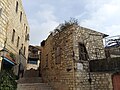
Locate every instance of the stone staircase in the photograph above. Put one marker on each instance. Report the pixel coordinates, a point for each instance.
(34, 86)
(31, 81)
(31, 73)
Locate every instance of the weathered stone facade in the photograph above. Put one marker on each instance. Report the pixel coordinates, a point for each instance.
(94, 44)
(13, 20)
(64, 68)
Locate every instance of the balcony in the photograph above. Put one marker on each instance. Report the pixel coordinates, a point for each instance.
(34, 56)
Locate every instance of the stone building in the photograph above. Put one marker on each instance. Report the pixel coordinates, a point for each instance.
(14, 35)
(68, 59)
(33, 57)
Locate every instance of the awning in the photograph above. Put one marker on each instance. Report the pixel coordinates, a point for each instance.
(6, 59)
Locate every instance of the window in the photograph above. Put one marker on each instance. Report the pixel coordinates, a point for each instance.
(27, 37)
(58, 55)
(0, 11)
(26, 34)
(32, 62)
(24, 50)
(18, 41)
(16, 6)
(22, 46)
(26, 29)
(83, 55)
(20, 16)
(13, 35)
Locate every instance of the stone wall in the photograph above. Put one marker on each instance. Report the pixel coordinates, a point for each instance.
(9, 20)
(59, 69)
(61, 65)
(84, 79)
(92, 40)
(99, 81)
(4, 9)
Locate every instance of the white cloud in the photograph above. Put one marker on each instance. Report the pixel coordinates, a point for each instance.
(113, 30)
(41, 31)
(105, 19)
(45, 15)
(41, 26)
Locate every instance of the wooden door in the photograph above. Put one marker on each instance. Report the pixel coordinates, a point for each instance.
(116, 82)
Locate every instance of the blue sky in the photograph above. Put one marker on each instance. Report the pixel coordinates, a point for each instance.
(45, 15)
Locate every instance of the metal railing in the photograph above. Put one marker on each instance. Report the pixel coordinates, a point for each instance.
(109, 64)
(33, 56)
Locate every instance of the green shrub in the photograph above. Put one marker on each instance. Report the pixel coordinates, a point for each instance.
(7, 80)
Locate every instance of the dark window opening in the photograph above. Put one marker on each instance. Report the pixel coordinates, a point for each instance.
(13, 35)
(22, 47)
(20, 16)
(83, 55)
(18, 41)
(26, 29)
(16, 6)
(24, 50)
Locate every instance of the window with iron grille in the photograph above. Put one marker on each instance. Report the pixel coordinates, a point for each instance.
(83, 55)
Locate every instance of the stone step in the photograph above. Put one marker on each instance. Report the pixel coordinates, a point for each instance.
(31, 73)
(34, 86)
(30, 80)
